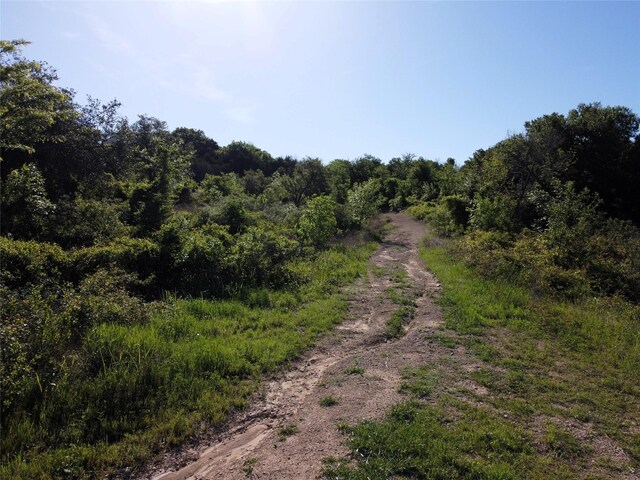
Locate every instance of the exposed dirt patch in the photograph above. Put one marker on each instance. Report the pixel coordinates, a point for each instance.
(358, 366)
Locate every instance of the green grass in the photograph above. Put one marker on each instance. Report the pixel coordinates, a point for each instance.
(396, 323)
(418, 382)
(546, 363)
(130, 392)
(425, 441)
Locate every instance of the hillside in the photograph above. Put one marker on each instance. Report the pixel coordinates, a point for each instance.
(160, 293)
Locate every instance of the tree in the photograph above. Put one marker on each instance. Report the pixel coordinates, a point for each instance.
(206, 159)
(364, 168)
(26, 209)
(29, 102)
(239, 157)
(607, 157)
(166, 170)
(339, 179)
(309, 178)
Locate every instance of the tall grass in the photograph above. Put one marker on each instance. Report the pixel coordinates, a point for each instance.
(130, 391)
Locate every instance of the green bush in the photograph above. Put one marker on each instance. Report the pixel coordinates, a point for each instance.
(84, 222)
(495, 213)
(25, 263)
(449, 216)
(317, 223)
(421, 210)
(201, 263)
(259, 258)
(133, 255)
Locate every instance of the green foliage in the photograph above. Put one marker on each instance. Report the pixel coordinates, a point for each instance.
(496, 213)
(317, 223)
(308, 180)
(29, 102)
(259, 258)
(134, 384)
(26, 208)
(133, 255)
(87, 221)
(339, 178)
(363, 201)
(31, 263)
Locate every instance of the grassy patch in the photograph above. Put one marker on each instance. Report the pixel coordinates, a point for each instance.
(422, 441)
(418, 382)
(131, 391)
(575, 360)
(395, 325)
(572, 363)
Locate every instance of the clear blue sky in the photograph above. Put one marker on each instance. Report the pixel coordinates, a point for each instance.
(337, 80)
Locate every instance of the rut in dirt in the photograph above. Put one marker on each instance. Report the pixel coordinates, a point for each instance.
(288, 432)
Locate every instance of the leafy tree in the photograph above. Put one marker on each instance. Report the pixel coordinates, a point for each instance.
(255, 182)
(607, 156)
(26, 209)
(339, 179)
(166, 170)
(364, 168)
(309, 178)
(29, 102)
(205, 151)
(239, 157)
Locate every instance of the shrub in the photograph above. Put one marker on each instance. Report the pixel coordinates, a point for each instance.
(449, 216)
(317, 223)
(258, 258)
(31, 262)
(496, 213)
(133, 255)
(85, 222)
(364, 200)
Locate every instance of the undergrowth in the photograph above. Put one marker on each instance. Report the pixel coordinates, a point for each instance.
(130, 391)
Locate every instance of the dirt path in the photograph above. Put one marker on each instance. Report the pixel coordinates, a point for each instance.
(287, 433)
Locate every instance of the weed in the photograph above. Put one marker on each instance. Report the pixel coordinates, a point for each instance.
(397, 321)
(344, 427)
(328, 401)
(287, 431)
(354, 370)
(248, 464)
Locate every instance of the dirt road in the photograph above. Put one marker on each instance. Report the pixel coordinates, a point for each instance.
(352, 375)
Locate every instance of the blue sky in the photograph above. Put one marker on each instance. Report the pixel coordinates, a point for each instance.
(340, 79)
